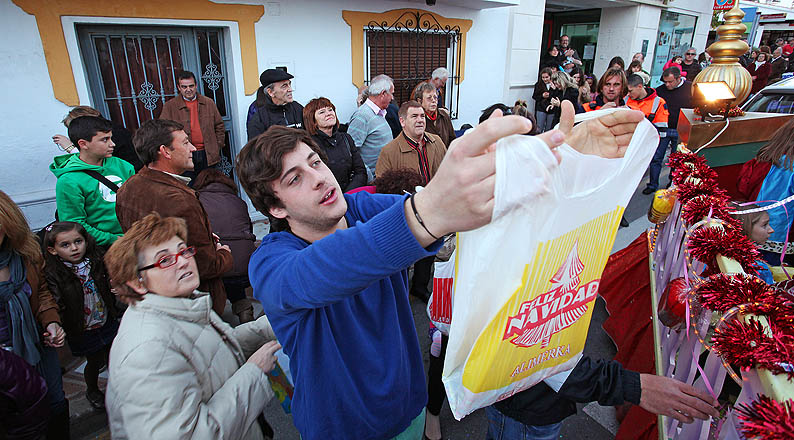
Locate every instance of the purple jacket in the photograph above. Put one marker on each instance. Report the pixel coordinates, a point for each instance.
(24, 408)
(229, 219)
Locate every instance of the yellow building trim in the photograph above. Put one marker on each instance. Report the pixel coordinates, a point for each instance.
(48, 19)
(358, 21)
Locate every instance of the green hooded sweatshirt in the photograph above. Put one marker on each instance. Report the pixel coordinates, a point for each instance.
(85, 200)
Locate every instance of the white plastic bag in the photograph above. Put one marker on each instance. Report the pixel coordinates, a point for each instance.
(526, 283)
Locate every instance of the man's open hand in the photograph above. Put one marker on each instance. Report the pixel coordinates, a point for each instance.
(673, 398)
(607, 136)
(460, 196)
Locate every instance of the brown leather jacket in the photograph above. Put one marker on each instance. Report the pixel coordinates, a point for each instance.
(155, 191)
(397, 155)
(210, 121)
(42, 304)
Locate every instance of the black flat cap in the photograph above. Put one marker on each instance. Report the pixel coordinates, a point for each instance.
(270, 76)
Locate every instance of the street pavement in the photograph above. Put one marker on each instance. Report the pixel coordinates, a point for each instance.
(592, 422)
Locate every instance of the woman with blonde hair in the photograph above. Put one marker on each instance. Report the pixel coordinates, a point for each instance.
(177, 370)
(29, 322)
(565, 89)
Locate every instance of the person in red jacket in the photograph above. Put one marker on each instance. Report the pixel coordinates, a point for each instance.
(760, 71)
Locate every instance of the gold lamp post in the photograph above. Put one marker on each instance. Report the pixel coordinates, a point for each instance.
(725, 53)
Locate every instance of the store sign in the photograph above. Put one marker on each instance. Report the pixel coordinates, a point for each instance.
(768, 17)
(723, 5)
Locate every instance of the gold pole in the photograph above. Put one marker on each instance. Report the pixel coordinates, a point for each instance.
(725, 53)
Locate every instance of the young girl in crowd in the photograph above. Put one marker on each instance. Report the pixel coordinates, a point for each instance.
(756, 227)
(79, 282)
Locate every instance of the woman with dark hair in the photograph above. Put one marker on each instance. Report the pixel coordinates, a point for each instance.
(550, 59)
(617, 62)
(344, 159)
(579, 79)
(228, 215)
(760, 70)
(30, 326)
(770, 176)
(542, 97)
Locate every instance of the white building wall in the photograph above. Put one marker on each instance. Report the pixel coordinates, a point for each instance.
(523, 57)
(310, 37)
(622, 30)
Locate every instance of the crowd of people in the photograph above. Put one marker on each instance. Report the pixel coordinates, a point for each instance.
(151, 240)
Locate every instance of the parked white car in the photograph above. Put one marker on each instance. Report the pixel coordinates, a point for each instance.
(774, 98)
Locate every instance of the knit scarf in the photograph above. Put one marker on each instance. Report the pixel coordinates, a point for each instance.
(22, 325)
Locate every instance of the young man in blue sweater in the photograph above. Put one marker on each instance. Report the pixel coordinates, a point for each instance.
(334, 283)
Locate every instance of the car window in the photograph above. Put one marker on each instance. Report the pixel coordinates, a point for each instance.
(771, 103)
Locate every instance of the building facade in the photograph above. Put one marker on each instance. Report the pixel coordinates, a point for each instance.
(121, 57)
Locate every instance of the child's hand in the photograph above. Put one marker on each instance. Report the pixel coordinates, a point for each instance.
(54, 336)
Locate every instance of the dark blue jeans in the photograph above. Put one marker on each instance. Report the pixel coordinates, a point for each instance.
(51, 371)
(501, 427)
(658, 158)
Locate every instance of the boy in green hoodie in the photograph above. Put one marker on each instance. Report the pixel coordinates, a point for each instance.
(81, 197)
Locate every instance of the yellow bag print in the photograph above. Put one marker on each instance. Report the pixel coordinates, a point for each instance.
(525, 284)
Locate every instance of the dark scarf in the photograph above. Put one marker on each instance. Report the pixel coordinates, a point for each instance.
(22, 325)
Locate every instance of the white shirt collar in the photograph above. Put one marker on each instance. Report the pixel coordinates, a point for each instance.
(377, 110)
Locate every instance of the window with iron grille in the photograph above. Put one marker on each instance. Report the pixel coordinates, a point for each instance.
(408, 51)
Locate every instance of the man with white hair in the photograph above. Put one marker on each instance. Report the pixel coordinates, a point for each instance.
(779, 65)
(439, 79)
(368, 126)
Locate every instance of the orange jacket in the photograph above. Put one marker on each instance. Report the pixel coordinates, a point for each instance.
(598, 103)
(654, 108)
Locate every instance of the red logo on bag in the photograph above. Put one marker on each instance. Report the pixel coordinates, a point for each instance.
(441, 306)
(551, 312)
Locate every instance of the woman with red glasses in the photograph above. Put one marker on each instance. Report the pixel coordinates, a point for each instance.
(176, 369)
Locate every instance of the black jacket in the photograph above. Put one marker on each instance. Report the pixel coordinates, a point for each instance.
(70, 297)
(570, 94)
(262, 113)
(541, 103)
(605, 382)
(344, 159)
(676, 99)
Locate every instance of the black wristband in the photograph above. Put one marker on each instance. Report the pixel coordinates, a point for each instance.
(419, 218)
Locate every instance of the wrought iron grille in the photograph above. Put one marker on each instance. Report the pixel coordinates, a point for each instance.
(409, 49)
(138, 74)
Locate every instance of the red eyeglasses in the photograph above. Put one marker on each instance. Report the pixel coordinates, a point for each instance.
(170, 260)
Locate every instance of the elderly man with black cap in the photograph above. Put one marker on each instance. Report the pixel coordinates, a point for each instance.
(274, 104)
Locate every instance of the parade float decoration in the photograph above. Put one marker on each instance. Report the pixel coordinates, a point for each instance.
(714, 320)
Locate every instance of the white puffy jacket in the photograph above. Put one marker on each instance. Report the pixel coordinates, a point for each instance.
(177, 371)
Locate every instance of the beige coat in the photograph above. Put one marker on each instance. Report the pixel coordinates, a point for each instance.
(177, 371)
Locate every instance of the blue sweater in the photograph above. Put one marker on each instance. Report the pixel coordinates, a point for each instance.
(778, 184)
(370, 132)
(340, 308)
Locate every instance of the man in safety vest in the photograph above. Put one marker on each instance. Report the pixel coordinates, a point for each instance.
(651, 105)
(611, 90)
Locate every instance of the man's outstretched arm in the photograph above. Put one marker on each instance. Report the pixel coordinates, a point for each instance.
(460, 196)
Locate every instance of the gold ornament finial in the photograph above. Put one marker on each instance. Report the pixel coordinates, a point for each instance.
(725, 54)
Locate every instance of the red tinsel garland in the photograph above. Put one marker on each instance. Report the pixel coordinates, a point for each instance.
(722, 292)
(687, 191)
(678, 159)
(705, 243)
(697, 208)
(767, 419)
(746, 345)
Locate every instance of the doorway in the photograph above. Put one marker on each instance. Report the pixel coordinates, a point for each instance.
(132, 72)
